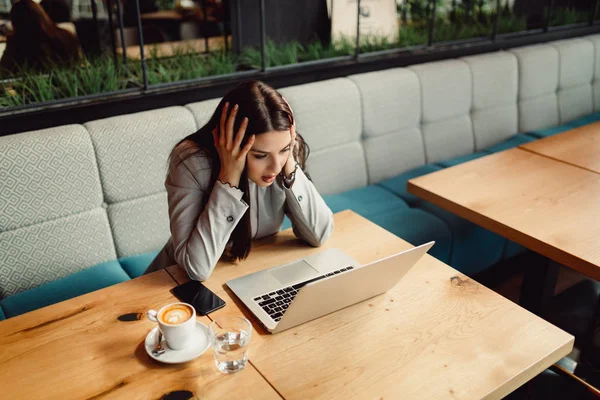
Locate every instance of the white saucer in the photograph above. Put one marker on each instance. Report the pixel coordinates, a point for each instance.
(200, 345)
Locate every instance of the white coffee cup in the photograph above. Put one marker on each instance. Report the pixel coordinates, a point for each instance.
(177, 322)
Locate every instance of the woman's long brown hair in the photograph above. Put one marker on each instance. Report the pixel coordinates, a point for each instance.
(266, 111)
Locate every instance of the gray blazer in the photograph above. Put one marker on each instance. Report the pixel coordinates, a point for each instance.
(202, 220)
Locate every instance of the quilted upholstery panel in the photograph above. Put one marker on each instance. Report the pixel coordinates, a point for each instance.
(328, 113)
(338, 169)
(393, 154)
(446, 89)
(140, 225)
(538, 83)
(203, 110)
(446, 94)
(47, 174)
(449, 138)
(595, 39)
(391, 100)
(133, 149)
(47, 251)
(495, 87)
(575, 97)
(391, 107)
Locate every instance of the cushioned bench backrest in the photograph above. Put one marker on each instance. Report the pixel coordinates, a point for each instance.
(555, 82)
(595, 39)
(436, 111)
(446, 99)
(494, 114)
(52, 219)
(132, 152)
(329, 118)
(391, 111)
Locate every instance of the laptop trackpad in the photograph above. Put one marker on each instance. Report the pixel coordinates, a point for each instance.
(296, 272)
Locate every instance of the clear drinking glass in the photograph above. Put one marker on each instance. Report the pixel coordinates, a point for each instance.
(229, 339)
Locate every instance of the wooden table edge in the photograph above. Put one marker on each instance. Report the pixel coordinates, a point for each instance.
(537, 152)
(521, 238)
(526, 376)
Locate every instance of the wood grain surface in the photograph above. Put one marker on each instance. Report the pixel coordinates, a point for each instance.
(545, 205)
(436, 334)
(79, 349)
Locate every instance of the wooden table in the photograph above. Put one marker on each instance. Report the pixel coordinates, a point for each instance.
(548, 206)
(79, 349)
(169, 49)
(579, 147)
(436, 334)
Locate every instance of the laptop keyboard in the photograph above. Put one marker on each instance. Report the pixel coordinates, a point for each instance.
(276, 303)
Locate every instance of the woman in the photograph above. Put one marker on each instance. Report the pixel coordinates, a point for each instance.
(36, 42)
(234, 179)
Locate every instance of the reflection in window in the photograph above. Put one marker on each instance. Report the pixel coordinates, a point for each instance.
(570, 12)
(510, 20)
(183, 40)
(414, 22)
(466, 19)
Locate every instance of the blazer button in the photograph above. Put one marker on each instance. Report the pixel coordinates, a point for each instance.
(299, 198)
(230, 219)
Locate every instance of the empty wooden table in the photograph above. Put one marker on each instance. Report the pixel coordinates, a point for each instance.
(436, 334)
(79, 349)
(579, 147)
(548, 206)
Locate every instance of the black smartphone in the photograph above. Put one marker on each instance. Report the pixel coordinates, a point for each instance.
(196, 294)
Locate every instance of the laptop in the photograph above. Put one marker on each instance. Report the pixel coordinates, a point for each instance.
(291, 294)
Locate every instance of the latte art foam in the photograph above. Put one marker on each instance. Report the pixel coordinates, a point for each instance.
(176, 314)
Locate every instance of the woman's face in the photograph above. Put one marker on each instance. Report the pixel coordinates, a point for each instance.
(268, 156)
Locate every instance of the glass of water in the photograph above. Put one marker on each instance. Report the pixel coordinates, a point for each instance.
(229, 339)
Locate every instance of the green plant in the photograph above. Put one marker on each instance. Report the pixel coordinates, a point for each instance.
(566, 16)
(102, 75)
(511, 23)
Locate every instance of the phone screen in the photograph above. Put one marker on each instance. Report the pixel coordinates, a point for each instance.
(196, 294)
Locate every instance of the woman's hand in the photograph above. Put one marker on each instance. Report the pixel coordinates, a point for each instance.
(290, 165)
(233, 159)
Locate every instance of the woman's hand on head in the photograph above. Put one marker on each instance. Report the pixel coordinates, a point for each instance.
(290, 165)
(233, 158)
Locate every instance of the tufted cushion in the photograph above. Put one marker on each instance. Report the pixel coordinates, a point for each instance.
(47, 174)
(595, 39)
(391, 107)
(132, 155)
(203, 110)
(47, 251)
(538, 83)
(575, 78)
(446, 89)
(82, 282)
(331, 124)
(51, 218)
(132, 150)
(495, 87)
(140, 225)
(331, 118)
(136, 265)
